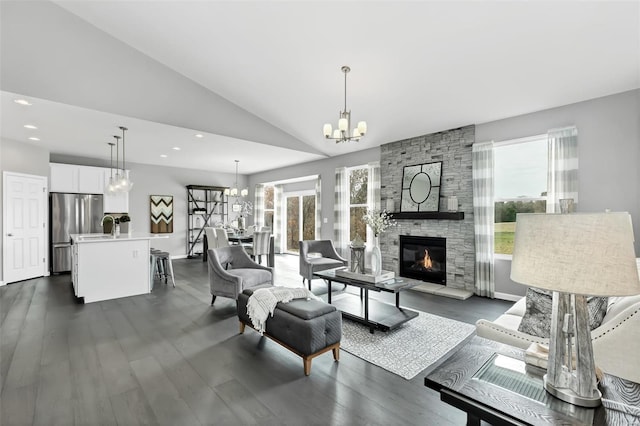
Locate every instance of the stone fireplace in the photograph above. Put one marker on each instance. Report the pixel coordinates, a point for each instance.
(453, 148)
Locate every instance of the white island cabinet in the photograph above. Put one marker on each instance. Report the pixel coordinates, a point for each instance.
(104, 267)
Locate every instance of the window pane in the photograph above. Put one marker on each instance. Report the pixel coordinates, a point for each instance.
(309, 217)
(520, 187)
(521, 170)
(293, 224)
(358, 186)
(505, 221)
(268, 197)
(356, 224)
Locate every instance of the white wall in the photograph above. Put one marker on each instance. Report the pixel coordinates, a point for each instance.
(608, 155)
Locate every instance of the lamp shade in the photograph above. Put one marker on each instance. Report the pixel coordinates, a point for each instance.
(583, 253)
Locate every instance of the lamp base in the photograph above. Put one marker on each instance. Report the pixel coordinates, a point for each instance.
(569, 395)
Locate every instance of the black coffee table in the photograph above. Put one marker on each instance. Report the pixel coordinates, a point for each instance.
(374, 313)
(491, 382)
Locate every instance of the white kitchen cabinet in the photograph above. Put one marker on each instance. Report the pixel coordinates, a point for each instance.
(77, 179)
(64, 178)
(106, 267)
(91, 180)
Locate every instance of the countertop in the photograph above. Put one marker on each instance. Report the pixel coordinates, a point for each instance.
(101, 238)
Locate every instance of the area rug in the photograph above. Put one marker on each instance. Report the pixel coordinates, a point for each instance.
(409, 349)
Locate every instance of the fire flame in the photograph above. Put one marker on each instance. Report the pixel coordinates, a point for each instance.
(426, 262)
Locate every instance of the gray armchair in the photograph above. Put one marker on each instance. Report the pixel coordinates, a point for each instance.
(327, 258)
(231, 271)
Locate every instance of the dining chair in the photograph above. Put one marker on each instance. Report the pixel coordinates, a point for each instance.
(260, 245)
(222, 240)
(210, 233)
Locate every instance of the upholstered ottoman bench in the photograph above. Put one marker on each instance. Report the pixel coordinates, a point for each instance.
(307, 328)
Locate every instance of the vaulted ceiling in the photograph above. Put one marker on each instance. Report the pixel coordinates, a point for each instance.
(259, 79)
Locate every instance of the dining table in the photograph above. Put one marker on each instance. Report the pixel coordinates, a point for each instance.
(244, 239)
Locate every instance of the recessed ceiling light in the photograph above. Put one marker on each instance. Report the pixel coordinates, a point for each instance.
(22, 102)
(34, 138)
(163, 155)
(176, 148)
(30, 126)
(199, 135)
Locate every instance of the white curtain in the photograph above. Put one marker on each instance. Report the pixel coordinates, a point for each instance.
(258, 206)
(483, 214)
(562, 179)
(278, 202)
(318, 208)
(373, 195)
(341, 212)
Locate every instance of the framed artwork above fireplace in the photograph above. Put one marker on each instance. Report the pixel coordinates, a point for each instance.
(421, 187)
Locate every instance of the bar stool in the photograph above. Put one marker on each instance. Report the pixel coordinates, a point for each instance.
(161, 266)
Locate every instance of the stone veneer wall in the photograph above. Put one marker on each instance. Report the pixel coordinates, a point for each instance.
(453, 148)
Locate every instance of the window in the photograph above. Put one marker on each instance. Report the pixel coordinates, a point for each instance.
(358, 182)
(520, 185)
(268, 206)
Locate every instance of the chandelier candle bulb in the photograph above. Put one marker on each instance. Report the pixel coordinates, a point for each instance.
(362, 127)
(326, 130)
(343, 124)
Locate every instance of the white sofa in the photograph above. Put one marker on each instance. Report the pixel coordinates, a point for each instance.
(616, 343)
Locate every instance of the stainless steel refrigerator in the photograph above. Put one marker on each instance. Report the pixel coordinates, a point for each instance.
(71, 214)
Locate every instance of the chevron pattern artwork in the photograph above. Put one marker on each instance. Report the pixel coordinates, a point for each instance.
(161, 214)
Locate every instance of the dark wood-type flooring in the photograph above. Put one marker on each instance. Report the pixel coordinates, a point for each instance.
(171, 358)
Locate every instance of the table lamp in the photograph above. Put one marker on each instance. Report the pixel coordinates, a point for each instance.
(574, 255)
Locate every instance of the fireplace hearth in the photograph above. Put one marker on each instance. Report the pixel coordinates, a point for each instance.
(424, 258)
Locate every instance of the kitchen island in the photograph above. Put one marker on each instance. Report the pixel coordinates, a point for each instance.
(106, 267)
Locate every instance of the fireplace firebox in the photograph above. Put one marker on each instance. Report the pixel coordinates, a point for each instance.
(424, 258)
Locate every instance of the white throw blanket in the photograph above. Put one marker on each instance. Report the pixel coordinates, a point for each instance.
(263, 302)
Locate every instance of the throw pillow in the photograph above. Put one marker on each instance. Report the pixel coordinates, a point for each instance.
(537, 317)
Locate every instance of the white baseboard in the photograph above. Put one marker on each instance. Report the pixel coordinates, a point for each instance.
(2, 283)
(507, 296)
(179, 256)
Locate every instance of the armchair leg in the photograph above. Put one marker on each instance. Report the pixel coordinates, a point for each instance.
(213, 299)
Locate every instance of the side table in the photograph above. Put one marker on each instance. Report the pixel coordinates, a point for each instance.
(490, 381)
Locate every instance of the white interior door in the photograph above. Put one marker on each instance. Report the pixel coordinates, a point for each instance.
(24, 239)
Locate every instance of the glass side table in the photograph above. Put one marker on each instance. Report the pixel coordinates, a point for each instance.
(357, 259)
(491, 382)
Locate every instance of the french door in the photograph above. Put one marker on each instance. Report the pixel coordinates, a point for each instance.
(300, 219)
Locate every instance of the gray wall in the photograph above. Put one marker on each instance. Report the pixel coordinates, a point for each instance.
(19, 157)
(327, 170)
(158, 180)
(608, 155)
